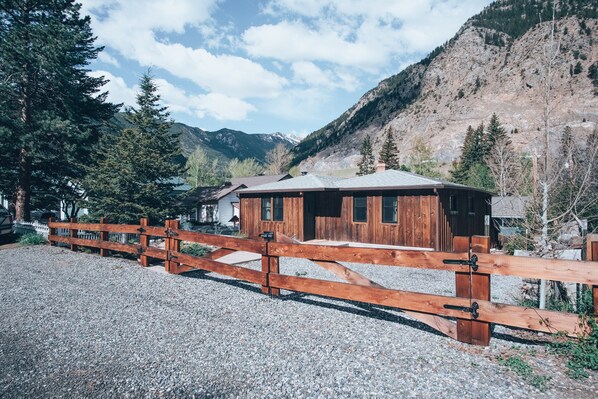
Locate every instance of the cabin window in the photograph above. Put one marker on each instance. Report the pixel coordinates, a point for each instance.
(278, 209)
(471, 205)
(453, 205)
(360, 208)
(389, 209)
(266, 208)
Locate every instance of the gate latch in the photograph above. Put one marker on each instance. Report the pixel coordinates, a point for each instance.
(472, 262)
(473, 309)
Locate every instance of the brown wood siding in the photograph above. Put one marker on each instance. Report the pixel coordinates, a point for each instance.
(415, 227)
(424, 219)
(461, 222)
(251, 216)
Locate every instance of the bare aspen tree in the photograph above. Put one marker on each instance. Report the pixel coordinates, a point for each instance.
(550, 210)
(277, 160)
(505, 167)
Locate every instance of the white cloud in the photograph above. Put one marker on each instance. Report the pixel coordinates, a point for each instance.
(310, 74)
(118, 91)
(215, 105)
(108, 59)
(130, 27)
(360, 34)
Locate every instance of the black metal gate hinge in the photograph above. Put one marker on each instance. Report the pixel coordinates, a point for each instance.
(472, 262)
(474, 309)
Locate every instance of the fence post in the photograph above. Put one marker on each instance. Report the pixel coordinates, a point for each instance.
(173, 244)
(461, 244)
(480, 331)
(270, 264)
(51, 231)
(592, 255)
(167, 246)
(143, 242)
(104, 236)
(478, 286)
(74, 233)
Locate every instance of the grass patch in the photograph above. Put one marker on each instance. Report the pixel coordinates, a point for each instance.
(582, 353)
(32, 239)
(519, 366)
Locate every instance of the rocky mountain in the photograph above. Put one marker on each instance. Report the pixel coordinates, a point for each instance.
(496, 63)
(225, 144)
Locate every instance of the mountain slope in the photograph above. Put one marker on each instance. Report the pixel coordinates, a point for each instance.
(495, 63)
(224, 144)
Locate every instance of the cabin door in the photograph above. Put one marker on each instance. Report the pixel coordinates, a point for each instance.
(309, 216)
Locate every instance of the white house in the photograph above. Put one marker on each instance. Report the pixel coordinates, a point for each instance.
(220, 204)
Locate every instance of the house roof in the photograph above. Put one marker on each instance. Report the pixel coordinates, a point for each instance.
(215, 193)
(394, 179)
(509, 207)
(212, 193)
(387, 180)
(251, 181)
(180, 184)
(307, 182)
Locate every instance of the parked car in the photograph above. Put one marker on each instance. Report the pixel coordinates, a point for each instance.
(5, 223)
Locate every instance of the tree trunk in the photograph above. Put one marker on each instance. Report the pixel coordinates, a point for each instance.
(23, 191)
(23, 200)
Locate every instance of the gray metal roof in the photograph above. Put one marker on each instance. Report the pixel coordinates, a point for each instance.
(307, 182)
(394, 179)
(509, 207)
(387, 180)
(251, 181)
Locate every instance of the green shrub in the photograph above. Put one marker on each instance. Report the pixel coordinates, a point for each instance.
(519, 366)
(582, 352)
(32, 239)
(194, 249)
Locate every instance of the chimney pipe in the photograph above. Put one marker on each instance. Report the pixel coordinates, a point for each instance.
(381, 167)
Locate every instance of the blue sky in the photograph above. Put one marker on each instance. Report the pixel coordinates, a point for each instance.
(265, 66)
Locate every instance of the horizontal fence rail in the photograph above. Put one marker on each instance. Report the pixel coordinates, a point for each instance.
(471, 307)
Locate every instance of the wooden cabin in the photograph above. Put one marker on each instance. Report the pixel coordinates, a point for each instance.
(389, 207)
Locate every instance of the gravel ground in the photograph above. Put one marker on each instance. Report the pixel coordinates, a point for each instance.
(77, 325)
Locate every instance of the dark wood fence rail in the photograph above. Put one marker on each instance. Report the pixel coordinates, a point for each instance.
(472, 307)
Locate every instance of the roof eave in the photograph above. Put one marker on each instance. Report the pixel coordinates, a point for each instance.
(293, 190)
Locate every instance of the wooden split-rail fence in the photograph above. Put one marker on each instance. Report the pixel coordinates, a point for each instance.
(466, 317)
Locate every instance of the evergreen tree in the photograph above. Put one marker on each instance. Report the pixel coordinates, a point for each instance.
(366, 163)
(494, 133)
(134, 174)
(50, 110)
(469, 154)
(472, 168)
(389, 154)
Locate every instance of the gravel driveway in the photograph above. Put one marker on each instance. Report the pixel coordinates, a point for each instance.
(77, 325)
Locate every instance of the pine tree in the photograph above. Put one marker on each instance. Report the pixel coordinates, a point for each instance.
(459, 173)
(494, 133)
(133, 175)
(389, 154)
(366, 163)
(50, 109)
